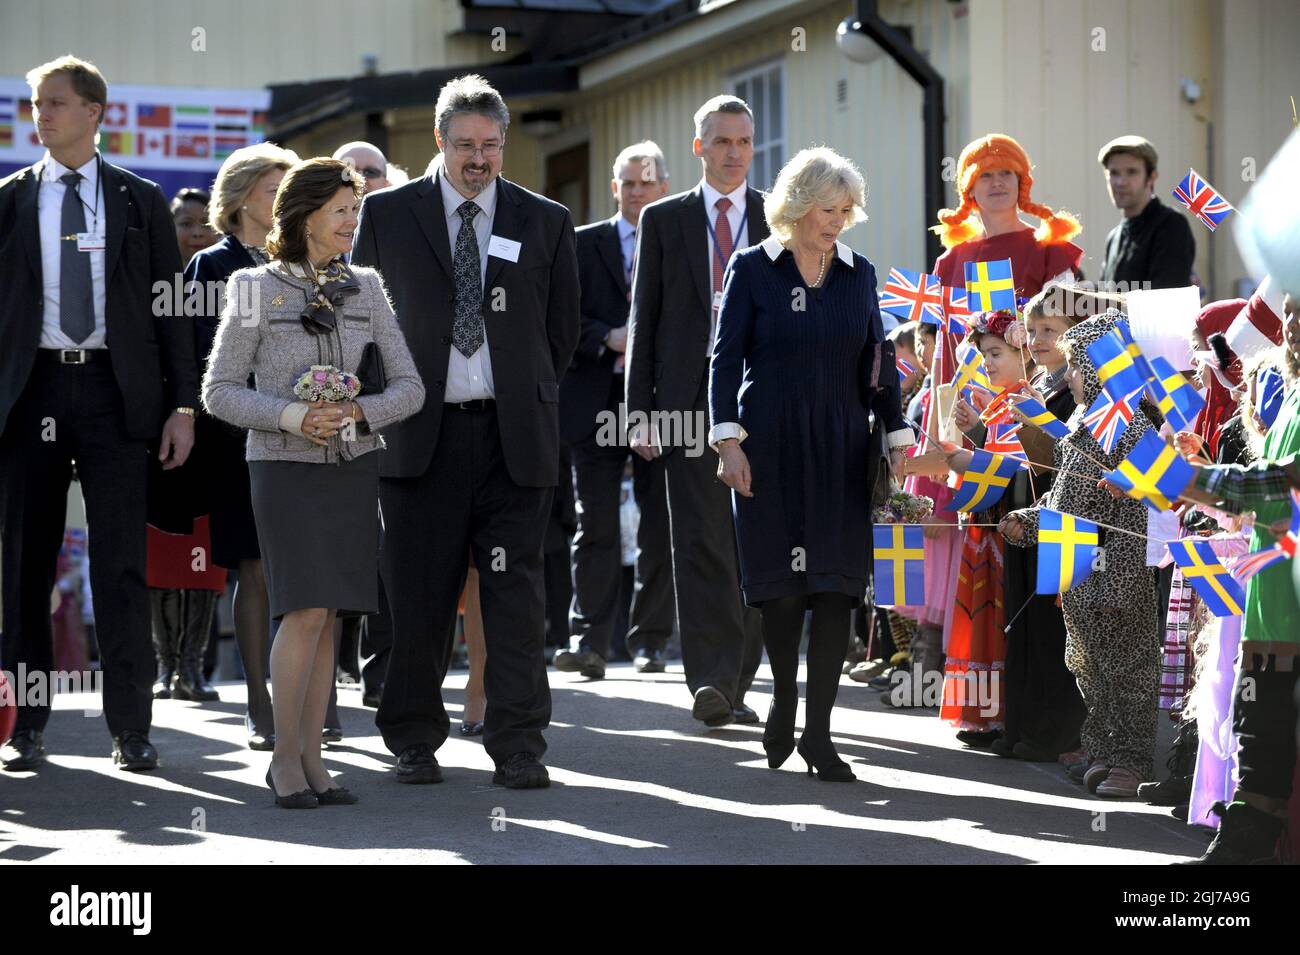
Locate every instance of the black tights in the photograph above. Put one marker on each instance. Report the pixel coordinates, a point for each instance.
(827, 645)
(252, 607)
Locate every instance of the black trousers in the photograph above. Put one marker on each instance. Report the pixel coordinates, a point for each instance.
(722, 639)
(598, 547)
(465, 500)
(377, 643)
(67, 413)
(1264, 719)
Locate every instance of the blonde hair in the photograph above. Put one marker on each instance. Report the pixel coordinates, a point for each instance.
(87, 81)
(236, 178)
(813, 176)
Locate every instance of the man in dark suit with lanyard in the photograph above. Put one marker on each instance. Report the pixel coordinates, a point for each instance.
(90, 371)
(590, 397)
(683, 248)
(484, 280)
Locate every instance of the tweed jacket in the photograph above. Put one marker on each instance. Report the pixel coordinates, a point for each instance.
(260, 332)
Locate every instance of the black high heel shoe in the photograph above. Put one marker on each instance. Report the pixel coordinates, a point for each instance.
(778, 733)
(828, 765)
(337, 796)
(306, 799)
(261, 742)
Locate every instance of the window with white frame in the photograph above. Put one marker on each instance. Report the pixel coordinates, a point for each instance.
(763, 89)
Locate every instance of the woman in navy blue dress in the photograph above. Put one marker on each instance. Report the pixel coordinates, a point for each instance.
(798, 371)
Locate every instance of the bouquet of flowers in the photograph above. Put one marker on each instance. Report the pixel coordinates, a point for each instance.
(326, 383)
(903, 508)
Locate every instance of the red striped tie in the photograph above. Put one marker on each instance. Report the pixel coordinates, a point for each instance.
(722, 236)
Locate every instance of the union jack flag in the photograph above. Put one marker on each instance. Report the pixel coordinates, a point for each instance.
(1107, 418)
(1201, 200)
(956, 306)
(904, 369)
(913, 297)
(1250, 565)
(1004, 439)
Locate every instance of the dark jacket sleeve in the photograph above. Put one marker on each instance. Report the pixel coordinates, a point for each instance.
(175, 332)
(1172, 252)
(643, 319)
(365, 248)
(735, 328)
(562, 309)
(592, 336)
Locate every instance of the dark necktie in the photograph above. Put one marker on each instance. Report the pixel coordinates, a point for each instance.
(467, 329)
(76, 297)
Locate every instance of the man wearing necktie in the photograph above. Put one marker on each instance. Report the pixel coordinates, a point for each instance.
(684, 246)
(484, 280)
(590, 395)
(92, 373)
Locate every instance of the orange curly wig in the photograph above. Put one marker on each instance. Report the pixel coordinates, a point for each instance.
(999, 151)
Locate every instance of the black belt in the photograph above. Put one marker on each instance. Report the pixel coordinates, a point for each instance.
(71, 356)
(478, 404)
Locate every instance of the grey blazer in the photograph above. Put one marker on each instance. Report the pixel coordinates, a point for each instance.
(260, 332)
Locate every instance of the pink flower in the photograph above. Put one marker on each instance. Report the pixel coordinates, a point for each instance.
(1016, 336)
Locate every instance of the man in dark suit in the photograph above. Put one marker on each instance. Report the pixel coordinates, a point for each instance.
(1153, 246)
(683, 248)
(484, 280)
(590, 398)
(91, 371)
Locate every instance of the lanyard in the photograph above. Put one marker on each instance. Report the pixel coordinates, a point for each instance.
(744, 230)
(99, 180)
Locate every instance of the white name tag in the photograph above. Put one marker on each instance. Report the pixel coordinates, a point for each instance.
(717, 301)
(89, 242)
(503, 248)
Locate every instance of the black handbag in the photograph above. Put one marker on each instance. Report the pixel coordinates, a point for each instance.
(371, 370)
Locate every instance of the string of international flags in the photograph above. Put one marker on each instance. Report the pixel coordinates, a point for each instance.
(1153, 472)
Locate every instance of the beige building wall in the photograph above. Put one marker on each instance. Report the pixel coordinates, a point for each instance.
(249, 43)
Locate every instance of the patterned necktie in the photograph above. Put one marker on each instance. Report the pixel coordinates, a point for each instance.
(76, 299)
(723, 240)
(467, 329)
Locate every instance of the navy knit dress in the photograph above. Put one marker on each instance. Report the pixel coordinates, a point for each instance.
(800, 384)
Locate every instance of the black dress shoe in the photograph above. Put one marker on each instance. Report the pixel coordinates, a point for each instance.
(711, 707)
(331, 734)
(978, 739)
(257, 740)
(565, 660)
(372, 696)
(416, 764)
(649, 661)
(133, 751)
(743, 714)
(587, 662)
(522, 771)
(337, 796)
(303, 799)
(471, 728)
(25, 750)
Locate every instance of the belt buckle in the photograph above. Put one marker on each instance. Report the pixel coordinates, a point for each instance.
(467, 405)
(80, 354)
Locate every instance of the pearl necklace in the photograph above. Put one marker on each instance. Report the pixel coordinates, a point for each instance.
(820, 271)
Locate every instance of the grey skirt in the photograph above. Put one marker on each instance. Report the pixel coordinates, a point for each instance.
(318, 525)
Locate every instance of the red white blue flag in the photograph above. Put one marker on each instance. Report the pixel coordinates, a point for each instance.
(1202, 200)
(913, 297)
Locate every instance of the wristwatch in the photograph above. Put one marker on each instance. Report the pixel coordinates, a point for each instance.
(188, 411)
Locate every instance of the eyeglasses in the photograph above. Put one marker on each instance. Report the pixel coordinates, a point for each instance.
(489, 150)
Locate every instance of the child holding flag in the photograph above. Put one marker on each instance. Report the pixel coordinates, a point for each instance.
(1112, 645)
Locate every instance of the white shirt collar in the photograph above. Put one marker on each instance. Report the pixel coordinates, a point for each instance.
(737, 195)
(453, 200)
(773, 247)
(52, 170)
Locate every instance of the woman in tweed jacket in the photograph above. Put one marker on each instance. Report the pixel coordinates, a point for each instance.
(314, 479)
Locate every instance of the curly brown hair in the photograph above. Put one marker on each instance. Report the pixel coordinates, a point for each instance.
(305, 188)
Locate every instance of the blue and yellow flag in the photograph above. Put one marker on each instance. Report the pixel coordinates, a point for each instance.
(1119, 372)
(1202, 568)
(984, 482)
(1139, 360)
(1067, 546)
(1040, 417)
(970, 369)
(1177, 400)
(899, 562)
(990, 286)
(1153, 473)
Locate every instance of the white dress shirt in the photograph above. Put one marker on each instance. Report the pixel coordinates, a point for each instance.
(49, 219)
(469, 379)
(736, 219)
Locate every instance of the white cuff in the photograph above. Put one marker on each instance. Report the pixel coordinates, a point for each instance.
(902, 438)
(726, 429)
(292, 415)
